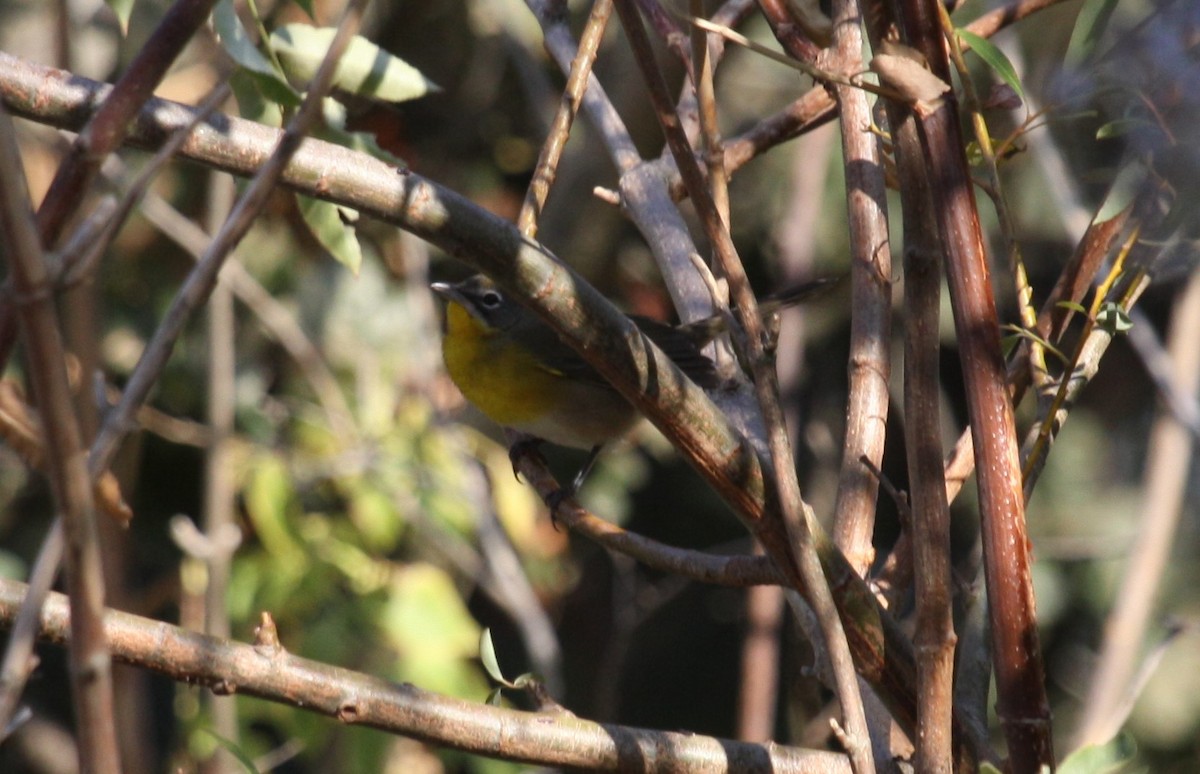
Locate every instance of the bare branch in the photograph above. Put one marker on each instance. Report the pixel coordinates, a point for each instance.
(91, 668)
(267, 671)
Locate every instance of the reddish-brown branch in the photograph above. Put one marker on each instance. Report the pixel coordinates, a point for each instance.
(1020, 676)
(934, 637)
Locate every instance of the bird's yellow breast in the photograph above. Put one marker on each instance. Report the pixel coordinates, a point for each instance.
(504, 380)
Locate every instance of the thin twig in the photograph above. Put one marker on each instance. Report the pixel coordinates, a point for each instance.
(564, 117)
(710, 132)
(108, 126)
(735, 571)
(220, 486)
(79, 264)
(91, 667)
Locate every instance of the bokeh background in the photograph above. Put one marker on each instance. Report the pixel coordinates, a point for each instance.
(378, 512)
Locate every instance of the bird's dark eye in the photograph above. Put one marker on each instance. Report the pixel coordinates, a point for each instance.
(490, 299)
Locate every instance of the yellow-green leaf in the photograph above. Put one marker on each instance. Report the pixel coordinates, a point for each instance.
(365, 69)
(328, 224)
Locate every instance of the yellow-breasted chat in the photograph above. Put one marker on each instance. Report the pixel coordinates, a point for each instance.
(515, 369)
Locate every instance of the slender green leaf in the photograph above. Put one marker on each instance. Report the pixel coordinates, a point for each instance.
(242, 50)
(994, 58)
(237, 43)
(1122, 126)
(1025, 333)
(487, 654)
(1089, 28)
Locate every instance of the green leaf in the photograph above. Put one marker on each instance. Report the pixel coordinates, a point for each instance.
(487, 654)
(334, 130)
(1107, 758)
(365, 69)
(236, 42)
(363, 142)
(1074, 306)
(1089, 28)
(1113, 318)
(1025, 333)
(252, 104)
(494, 696)
(242, 50)
(435, 637)
(269, 499)
(1122, 126)
(123, 10)
(994, 58)
(326, 223)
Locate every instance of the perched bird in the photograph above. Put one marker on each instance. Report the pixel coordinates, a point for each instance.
(516, 370)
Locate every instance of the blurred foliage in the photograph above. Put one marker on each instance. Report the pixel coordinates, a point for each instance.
(362, 514)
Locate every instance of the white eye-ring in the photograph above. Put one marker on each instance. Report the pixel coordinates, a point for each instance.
(490, 299)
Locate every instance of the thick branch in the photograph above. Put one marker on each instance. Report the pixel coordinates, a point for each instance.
(267, 671)
(1020, 676)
